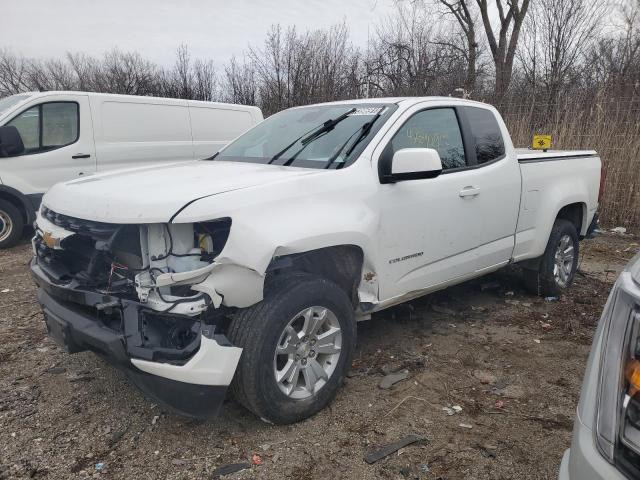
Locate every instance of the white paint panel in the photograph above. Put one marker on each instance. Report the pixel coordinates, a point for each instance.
(139, 122)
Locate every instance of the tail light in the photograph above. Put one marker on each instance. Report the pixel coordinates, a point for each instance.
(602, 178)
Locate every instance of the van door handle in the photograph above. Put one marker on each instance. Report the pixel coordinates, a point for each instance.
(81, 155)
(470, 191)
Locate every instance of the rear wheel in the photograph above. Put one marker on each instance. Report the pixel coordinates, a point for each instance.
(559, 262)
(297, 346)
(11, 224)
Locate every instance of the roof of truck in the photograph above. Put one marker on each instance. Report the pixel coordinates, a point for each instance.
(407, 100)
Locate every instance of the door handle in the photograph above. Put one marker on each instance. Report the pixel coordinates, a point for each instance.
(81, 155)
(470, 191)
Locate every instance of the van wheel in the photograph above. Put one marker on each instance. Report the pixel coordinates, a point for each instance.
(11, 224)
(558, 264)
(297, 347)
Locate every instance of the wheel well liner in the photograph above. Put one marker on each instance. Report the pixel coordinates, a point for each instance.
(341, 264)
(574, 213)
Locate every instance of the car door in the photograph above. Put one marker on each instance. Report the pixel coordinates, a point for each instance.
(434, 231)
(58, 139)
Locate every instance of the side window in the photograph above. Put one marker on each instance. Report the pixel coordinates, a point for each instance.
(48, 126)
(486, 133)
(435, 128)
(59, 124)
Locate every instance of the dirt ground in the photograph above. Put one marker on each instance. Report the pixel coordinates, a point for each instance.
(512, 362)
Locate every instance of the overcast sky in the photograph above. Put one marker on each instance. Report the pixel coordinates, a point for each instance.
(213, 29)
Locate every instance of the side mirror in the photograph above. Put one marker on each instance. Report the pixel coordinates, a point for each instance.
(10, 141)
(415, 163)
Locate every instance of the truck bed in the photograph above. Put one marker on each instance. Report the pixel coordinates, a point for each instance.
(526, 155)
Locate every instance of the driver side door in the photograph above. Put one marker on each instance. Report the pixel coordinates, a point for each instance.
(429, 233)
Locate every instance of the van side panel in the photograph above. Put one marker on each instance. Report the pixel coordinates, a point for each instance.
(138, 132)
(214, 127)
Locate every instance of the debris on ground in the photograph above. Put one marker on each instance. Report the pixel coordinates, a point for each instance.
(485, 377)
(256, 459)
(390, 380)
(452, 410)
(465, 425)
(550, 299)
(230, 468)
(620, 230)
(392, 448)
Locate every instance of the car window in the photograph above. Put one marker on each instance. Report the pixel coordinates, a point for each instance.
(28, 125)
(435, 128)
(486, 134)
(59, 124)
(47, 126)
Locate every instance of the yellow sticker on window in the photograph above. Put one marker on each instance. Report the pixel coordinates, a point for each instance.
(541, 142)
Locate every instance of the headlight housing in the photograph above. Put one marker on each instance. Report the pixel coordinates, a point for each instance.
(618, 403)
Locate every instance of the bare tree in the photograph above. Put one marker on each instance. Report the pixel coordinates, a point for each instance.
(556, 39)
(462, 12)
(503, 45)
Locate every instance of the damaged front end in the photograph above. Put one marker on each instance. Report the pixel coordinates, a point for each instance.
(145, 298)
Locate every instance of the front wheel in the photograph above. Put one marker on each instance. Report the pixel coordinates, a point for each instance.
(297, 347)
(11, 224)
(559, 262)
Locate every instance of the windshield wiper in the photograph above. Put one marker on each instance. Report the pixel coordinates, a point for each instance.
(364, 131)
(310, 135)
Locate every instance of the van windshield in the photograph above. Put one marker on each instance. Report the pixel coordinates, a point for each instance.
(320, 136)
(8, 102)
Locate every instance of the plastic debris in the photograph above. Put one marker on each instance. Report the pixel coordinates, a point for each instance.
(230, 468)
(99, 466)
(155, 419)
(387, 450)
(619, 230)
(389, 380)
(499, 404)
(550, 299)
(537, 340)
(256, 459)
(546, 326)
(5, 290)
(465, 425)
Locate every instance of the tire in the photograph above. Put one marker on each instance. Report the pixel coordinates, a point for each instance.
(11, 224)
(260, 329)
(553, 278)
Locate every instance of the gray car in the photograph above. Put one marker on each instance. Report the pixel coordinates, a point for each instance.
(606, 433)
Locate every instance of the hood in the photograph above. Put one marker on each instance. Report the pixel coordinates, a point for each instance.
(155, 194)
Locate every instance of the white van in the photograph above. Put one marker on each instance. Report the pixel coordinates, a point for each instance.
(65, 135)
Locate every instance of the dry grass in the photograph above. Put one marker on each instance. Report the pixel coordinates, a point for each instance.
(609, 125)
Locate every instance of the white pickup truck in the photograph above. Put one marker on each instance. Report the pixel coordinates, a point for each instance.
(251, 268)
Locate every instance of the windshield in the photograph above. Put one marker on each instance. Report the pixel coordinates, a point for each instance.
(321, 136)
(8, 102)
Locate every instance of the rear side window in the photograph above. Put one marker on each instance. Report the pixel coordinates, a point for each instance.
(435, 128)
(48, 126)
(486, 133)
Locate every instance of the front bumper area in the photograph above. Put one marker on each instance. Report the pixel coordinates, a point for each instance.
(191, 379)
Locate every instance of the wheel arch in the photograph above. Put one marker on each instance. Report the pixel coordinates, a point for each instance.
(576, 213)
(341, 264)
(20, 201)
